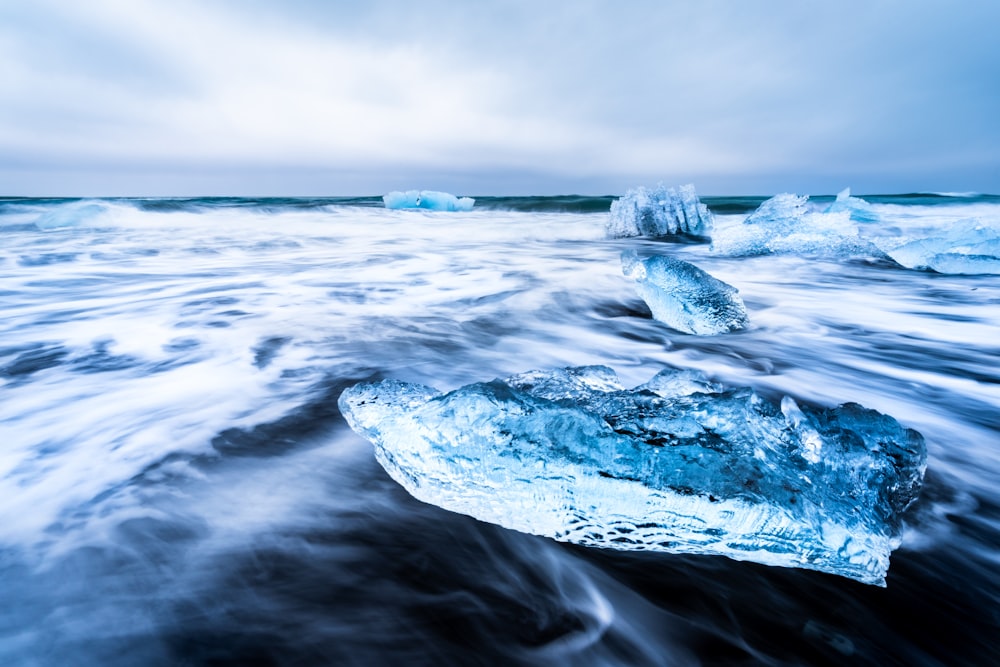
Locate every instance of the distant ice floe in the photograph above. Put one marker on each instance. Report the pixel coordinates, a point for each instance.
(785, 224)
(428, 199)
(677, 465)
(659, 212)
(967, 247)
(684, 297)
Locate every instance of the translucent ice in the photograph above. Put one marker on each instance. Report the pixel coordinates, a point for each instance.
(859, 209)
(428, 199)
(785, 224)
(684, 297)
(659, 212)
(780, 214)
(675, 465)
(967, 247)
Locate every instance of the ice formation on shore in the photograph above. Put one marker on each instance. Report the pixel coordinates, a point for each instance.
(428, 199)
(967, 247)
(659, 212)
(676, 465)
(785, 224)
(684, 297)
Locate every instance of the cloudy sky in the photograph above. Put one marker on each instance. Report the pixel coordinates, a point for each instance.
(299, 97)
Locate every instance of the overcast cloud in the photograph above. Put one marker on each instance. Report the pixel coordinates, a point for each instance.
(254, 97)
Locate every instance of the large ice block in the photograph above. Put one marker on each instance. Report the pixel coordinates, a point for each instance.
(659, 212)
(675, 465)
(785, 224)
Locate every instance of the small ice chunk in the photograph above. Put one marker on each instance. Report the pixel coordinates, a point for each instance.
(571, 455)
(785, 224)
(967, 247)
(659, 212)
(859, 209)
(684, 297)
(428, 199)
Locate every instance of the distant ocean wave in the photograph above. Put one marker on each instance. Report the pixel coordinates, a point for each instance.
(722, 205)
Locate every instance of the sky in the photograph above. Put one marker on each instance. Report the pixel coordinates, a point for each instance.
(330, 98)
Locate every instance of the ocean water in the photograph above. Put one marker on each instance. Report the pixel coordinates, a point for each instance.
(177, 486)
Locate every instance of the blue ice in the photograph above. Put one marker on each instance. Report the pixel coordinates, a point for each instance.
(785, 224)
(677, 465)
(684, 297)
(428, 199)
(659, 212)
(967, 247)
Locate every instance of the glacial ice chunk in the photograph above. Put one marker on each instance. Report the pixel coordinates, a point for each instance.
(785, 224)
(780, 214)
(859, 209)
(684, 297)
(676, 465)
(428, 199)
(659, 212)
(967, 247)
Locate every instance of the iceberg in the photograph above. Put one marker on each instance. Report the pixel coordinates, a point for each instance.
(684, 297)
(428, 199)
(675, 465)
(857, 208)
(970, 247)
(659, 212)
(785, 224)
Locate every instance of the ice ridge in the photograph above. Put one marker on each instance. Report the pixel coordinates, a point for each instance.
(659, 212)
(428, 199)
(676, 465)
(684, 297)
